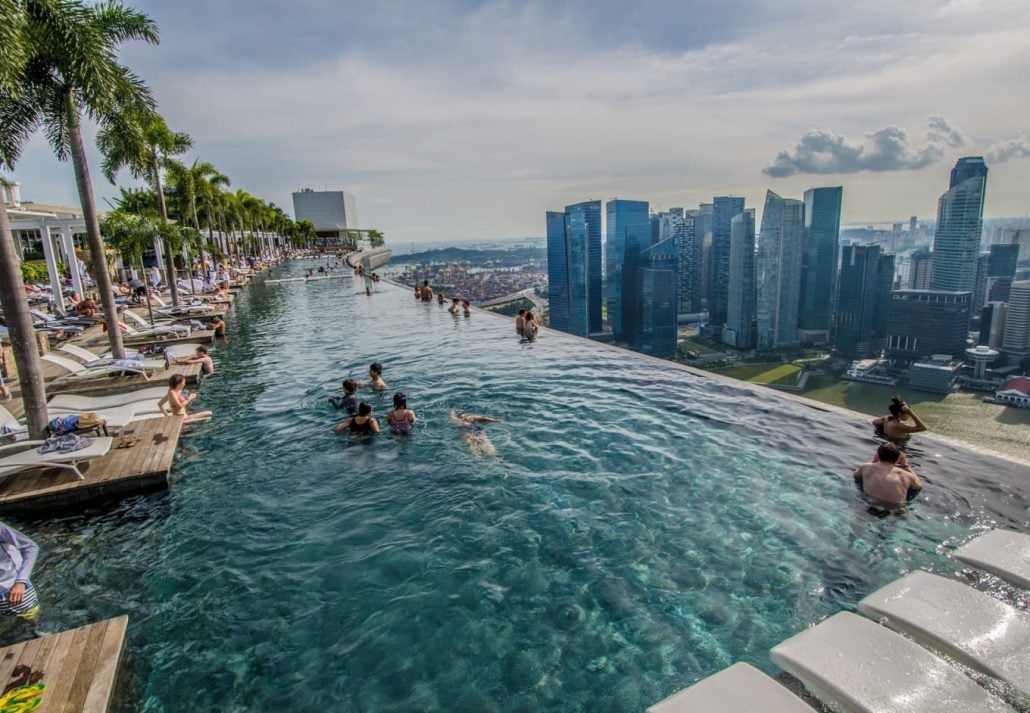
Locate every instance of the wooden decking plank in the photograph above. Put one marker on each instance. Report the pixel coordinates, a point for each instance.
(63, 659)
(9, 661)
(98, 697)
(87, 664)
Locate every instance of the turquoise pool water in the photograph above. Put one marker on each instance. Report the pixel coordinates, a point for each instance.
(641, 527)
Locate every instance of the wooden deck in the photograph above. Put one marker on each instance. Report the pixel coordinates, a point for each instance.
(77, 669)
(109, 384)
(206, 336)
(123, 471)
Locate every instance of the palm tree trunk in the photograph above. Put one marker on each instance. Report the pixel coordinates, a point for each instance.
(96, 242)
(200, 243)
(19, 326)
(169, 263)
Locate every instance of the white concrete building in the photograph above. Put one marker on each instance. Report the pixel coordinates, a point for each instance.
(332, 212)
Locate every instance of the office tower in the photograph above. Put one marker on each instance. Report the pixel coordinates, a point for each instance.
(574, 268)
(628, 234)
(819, 262)
(912, 226)
(779, 271)
(1016, 340)
(656, 323)
(724, 209)
(1020, 237)
(979, 287)
(739, 330)
(863, 299)
(956, 242)
(703, 235)
(689, 266)
(1001, 271)
(992, 324)
(925, 322)
(920, 269)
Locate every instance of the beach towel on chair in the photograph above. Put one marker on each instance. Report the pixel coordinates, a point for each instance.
(63, 424)
(67, 443)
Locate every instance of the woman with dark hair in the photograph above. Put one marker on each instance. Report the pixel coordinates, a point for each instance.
(400, 417)
(895, 424)
(530, 327)
(179, 403)
(363, 424)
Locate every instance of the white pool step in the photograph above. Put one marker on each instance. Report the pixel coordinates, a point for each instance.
(971, 627)
(741, 688)
(1003, 553)
(852, 664)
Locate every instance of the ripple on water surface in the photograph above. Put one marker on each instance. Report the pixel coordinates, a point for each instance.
(640, 527)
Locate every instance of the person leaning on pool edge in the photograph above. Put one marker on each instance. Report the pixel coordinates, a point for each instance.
(888, 478)
(894, 424)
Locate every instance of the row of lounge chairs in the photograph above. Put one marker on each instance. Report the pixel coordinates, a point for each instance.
(901, 654)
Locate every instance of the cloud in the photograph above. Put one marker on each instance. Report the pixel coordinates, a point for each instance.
(1018, 147)
(887, 149)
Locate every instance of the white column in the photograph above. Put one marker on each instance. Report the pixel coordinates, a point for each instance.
(68, 245)
(51, 266)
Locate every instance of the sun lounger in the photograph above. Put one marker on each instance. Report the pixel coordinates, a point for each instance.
(951, 618)
(77, 371)
(741, 688)
(171, 330)
(116, 416)
(77, 403)
(90, 359)
(27, 458)
(1003, 553)
(852, 664)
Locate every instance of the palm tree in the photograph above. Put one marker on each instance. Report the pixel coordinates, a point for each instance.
(15, 308)
(143, 143)
(375, 238)
(72, 70)
(129, 232)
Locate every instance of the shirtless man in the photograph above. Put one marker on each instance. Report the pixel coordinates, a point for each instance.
(207, 365)
(886, 480)
(427, 291)
(478, 442)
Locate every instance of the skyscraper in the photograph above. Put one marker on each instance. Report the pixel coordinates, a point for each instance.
(724, 209)
(1016, 339)
(656, 324)
(819, 262)
(925, 322)
(956, 242)
(574, 268)
(739, 330)
(779, 271)
(1001, 271)
(863, 299)
(689, 265)
(920, 269)
(628, 234)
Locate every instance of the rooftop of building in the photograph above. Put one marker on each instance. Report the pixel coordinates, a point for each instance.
(1020, 384)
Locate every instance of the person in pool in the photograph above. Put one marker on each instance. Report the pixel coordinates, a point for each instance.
(427, 291)
(439, 298)
(895, 424)
(455, 306)
(400, 418)
(362, 424)
(375, 376)
(179, 403)
(475, 438)
(530, 327)
(207, 365)
(520, 322)
(465, 307)
(886, 480)
(349, 400)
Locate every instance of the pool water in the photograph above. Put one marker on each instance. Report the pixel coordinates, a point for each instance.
(640, 527)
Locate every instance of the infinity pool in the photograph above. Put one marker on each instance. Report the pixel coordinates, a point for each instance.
(641, 526)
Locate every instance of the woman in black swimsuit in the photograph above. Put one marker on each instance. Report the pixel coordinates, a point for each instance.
(364, 424)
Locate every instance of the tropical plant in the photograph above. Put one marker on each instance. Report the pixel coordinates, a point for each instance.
(375, 239)
(72, 70)
(129, 233)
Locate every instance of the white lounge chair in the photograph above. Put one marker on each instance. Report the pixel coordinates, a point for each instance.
(79, 372)
(89, 359)
(951, 618)
(17, 429)
(201, 310)
(78, 403)
(1003, 553)
(27, 458)
(741, 688)
(852, 664)
(171, 330)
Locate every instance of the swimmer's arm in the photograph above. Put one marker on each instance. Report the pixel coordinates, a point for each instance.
(411, 416)
(482, 419)
(374, 425)
(914, 483)
(858, 474)
(918, 427)
(343, 426)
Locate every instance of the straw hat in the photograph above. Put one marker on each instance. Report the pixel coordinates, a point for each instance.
(90, 420)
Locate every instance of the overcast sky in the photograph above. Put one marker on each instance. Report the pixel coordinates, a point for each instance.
(454, 120)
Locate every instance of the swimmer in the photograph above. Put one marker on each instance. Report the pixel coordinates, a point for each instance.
(894, 423)
(886, 480)
(453, 309)
(178, 403)
(427, 291)
(375, 376)
(477, 441)
(349, 400)
(520, 322)
(207, 366)
(530, 327)
(418, 292)
(465, 307)
(439, 298)
(400, 418)
(363, 424)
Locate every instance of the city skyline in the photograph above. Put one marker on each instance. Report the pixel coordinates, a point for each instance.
(460, 121)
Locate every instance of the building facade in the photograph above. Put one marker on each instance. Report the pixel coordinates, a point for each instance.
(920, 269)
(1015, 341)
(863, 300)
(628, 233)
(819, 262)
(574, 268)
(724, 210)
(333, 213)
(656, 325)
(921, 323)
(739, 329)
(779, 272)
(956, 242)
(690, 265)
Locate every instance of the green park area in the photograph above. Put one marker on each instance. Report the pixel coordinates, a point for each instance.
(779, 374)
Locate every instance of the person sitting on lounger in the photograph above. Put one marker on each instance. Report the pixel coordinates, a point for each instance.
(87, 308)
(17, 557)
(886, 479)
(178, 403)
(207, 365)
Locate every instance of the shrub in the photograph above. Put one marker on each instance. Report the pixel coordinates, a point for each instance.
(36, 272)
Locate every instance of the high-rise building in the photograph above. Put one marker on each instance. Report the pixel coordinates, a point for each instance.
(992, 324)
(724, 210)
(739, 330)
(333, 213)
(920, 269)
(979, 286)
(912, 226)
(689, 265)
(819, 262)
(863, 299)
(655, 327)
(1016, 340)
(628, 234)
(1001, 271)
(956, 242)
(925, 322)
(574, 268)
(779, 271)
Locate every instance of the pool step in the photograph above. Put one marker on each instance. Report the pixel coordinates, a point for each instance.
(741, 688)
(1003, 553)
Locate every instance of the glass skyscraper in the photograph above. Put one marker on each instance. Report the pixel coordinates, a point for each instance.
(863, 300)
(628, 235)
(656, 325)
(574, 268)
(819, 262)
(956, 242)
(724, 210)
(779, 271)
(739, 330)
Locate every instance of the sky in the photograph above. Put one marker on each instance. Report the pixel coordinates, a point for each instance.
(460, 120)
